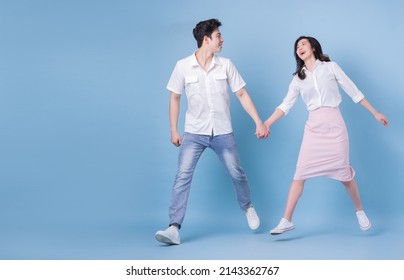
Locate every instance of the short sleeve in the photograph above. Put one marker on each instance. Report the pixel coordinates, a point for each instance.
(234, 78)
(177, 80)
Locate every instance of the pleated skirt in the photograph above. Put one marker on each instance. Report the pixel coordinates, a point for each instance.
(325, 147)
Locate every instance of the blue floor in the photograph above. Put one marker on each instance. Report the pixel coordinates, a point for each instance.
(121, 239)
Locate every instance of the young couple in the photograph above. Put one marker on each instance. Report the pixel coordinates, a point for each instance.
(205, 78)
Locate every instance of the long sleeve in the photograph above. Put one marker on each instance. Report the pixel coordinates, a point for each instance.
(346, 83)
(291, 97)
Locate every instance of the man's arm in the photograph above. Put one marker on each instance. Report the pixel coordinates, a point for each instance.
(174, 112)
(248, 105)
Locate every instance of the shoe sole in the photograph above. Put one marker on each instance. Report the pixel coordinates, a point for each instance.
(164, 239)
(366, 228)
(281, 231)
(254, 227)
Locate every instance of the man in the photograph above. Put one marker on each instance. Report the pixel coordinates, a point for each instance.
(206, 78)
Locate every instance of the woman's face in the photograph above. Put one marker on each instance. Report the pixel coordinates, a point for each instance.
(304, 49)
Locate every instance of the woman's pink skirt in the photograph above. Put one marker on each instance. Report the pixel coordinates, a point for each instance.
(325, 147)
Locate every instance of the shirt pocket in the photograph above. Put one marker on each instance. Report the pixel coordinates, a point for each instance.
(221, 83)
(191, 84)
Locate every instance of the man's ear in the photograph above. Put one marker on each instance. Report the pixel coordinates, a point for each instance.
(206, 39)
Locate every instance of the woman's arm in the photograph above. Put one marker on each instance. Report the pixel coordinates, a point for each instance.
(276, 115)
(379, 117)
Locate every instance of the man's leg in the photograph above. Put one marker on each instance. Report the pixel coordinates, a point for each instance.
(226, 148)
(190, 151)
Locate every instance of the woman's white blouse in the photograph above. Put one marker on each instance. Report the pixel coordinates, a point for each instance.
(320, 87)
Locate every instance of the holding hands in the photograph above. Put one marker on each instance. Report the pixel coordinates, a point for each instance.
(262, 131)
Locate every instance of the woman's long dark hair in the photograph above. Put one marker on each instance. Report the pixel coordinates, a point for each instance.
(318, 54)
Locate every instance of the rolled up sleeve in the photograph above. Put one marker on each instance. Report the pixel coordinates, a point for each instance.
(290, 98)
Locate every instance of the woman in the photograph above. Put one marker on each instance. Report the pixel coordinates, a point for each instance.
(325, 146)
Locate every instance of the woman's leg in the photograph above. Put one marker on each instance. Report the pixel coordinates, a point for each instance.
(352, 189)
(295, 191)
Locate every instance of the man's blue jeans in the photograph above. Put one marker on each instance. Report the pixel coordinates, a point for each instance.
(190, 151)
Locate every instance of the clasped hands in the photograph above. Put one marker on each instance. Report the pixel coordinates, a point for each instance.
(262, 131)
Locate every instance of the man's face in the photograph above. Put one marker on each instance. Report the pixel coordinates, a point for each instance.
(215, 43)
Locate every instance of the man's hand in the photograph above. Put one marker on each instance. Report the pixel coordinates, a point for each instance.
(262, 131)
(176, 138)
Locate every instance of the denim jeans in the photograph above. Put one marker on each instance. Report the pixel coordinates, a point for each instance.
(190, 151)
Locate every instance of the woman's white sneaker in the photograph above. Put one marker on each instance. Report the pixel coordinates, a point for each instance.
(284, 225)
(363, 220)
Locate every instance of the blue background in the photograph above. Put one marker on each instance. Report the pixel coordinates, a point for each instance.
(86, 163)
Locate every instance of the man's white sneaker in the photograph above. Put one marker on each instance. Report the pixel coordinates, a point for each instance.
(169, 236)
(363, 220)
(252, 218)
(284, 225)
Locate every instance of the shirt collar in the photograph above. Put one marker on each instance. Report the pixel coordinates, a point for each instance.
(318, 62)
(194, 61)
